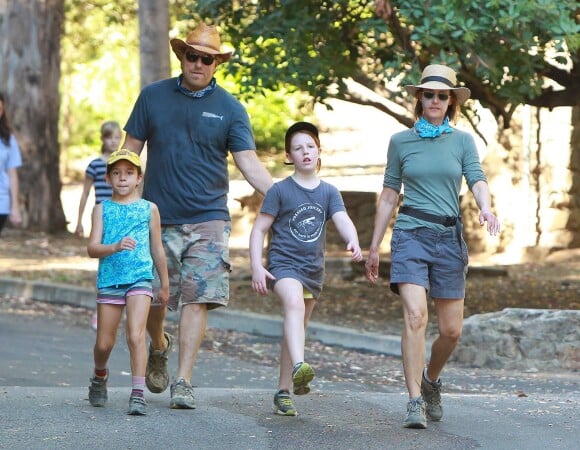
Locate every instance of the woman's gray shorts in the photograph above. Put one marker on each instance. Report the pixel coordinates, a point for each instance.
(436, 260)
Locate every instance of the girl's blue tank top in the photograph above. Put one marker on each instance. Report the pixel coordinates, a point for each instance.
(126, 267)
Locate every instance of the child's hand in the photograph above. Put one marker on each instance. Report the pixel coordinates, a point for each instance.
(163, 295)
(259, 283)
(355, 250)
(127, 243)
(372, 267)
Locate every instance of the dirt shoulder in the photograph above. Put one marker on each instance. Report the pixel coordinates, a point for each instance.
(346, 301)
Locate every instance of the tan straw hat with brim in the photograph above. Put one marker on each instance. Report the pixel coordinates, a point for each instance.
(206, 39)
(441, 78)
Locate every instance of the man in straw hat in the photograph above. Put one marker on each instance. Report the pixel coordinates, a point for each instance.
(190, 124)
(428, 253)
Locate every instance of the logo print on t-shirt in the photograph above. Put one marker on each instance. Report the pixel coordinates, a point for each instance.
(307, 222)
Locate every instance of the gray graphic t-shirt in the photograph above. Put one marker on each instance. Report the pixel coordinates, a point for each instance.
(298, 232)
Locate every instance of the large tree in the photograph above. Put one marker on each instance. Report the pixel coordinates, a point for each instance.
(29, 74)
(504, 50)
(153, 36)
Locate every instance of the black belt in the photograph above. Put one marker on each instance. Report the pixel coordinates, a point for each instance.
(447, 221)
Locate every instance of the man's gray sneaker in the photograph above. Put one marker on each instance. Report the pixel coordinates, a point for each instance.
(415, 414)
(182, 395)
(98, 391)
(137, 406)
(157, 374)
(431, 393)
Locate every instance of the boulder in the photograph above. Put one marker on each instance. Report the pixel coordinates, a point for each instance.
(521, 339)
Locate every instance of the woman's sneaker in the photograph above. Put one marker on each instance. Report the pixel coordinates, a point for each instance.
(137, 406)
(98, 391)
(182, 395)
(415, 414)
(283, 404)
(431, 393)
(302, 375)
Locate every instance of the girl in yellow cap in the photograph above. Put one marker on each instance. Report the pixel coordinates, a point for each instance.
(126, 237)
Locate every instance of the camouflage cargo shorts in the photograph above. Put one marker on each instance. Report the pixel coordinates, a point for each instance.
(198, 263)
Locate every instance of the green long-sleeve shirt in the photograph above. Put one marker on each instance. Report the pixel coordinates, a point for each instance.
(431, 171)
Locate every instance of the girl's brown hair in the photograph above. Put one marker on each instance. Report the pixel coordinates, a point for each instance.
(5, 128)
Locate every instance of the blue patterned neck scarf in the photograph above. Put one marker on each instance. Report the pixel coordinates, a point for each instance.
(428, 130)
(196, 94)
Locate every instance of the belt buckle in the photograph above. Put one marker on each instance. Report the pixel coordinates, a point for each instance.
(450, 221)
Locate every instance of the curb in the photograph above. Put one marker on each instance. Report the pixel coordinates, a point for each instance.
(226, 319)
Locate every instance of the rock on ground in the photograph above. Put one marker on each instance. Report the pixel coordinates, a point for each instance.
(521, 339)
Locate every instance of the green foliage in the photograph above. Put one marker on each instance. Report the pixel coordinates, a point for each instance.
(288, 51)
(100, 78)
(505, 43)
(100, 72)
(293, 45)
(271, 114)
(503, 50)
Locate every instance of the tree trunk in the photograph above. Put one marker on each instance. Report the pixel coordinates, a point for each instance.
(154, 40)
(573, 224)
(29, 75)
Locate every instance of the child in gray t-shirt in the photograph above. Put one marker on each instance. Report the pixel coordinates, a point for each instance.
(296, 209)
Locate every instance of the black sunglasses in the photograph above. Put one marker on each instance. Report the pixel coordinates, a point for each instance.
(205, 59)
(430, 95)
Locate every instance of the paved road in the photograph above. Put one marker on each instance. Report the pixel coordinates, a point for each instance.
(45, 365)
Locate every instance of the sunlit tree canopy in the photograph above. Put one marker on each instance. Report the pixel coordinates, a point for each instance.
(508, 52)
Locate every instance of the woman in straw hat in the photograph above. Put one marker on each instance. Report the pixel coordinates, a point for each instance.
(191, 124)
(428, 252)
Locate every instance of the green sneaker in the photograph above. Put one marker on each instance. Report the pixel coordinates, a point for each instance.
(157, 374)
(98, 391)
(302, 375)
(137, 406)
(431, 393)
(182, 395)
(283, 405)
(415, 414)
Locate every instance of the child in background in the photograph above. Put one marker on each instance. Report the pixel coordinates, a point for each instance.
(297, 209)
(96, 170)
(95, 176)
(126, 237)
(10, 161)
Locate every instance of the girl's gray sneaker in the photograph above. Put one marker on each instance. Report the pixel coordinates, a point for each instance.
(137, 406)
(98, 391)
(302, 375)
(283, 404)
